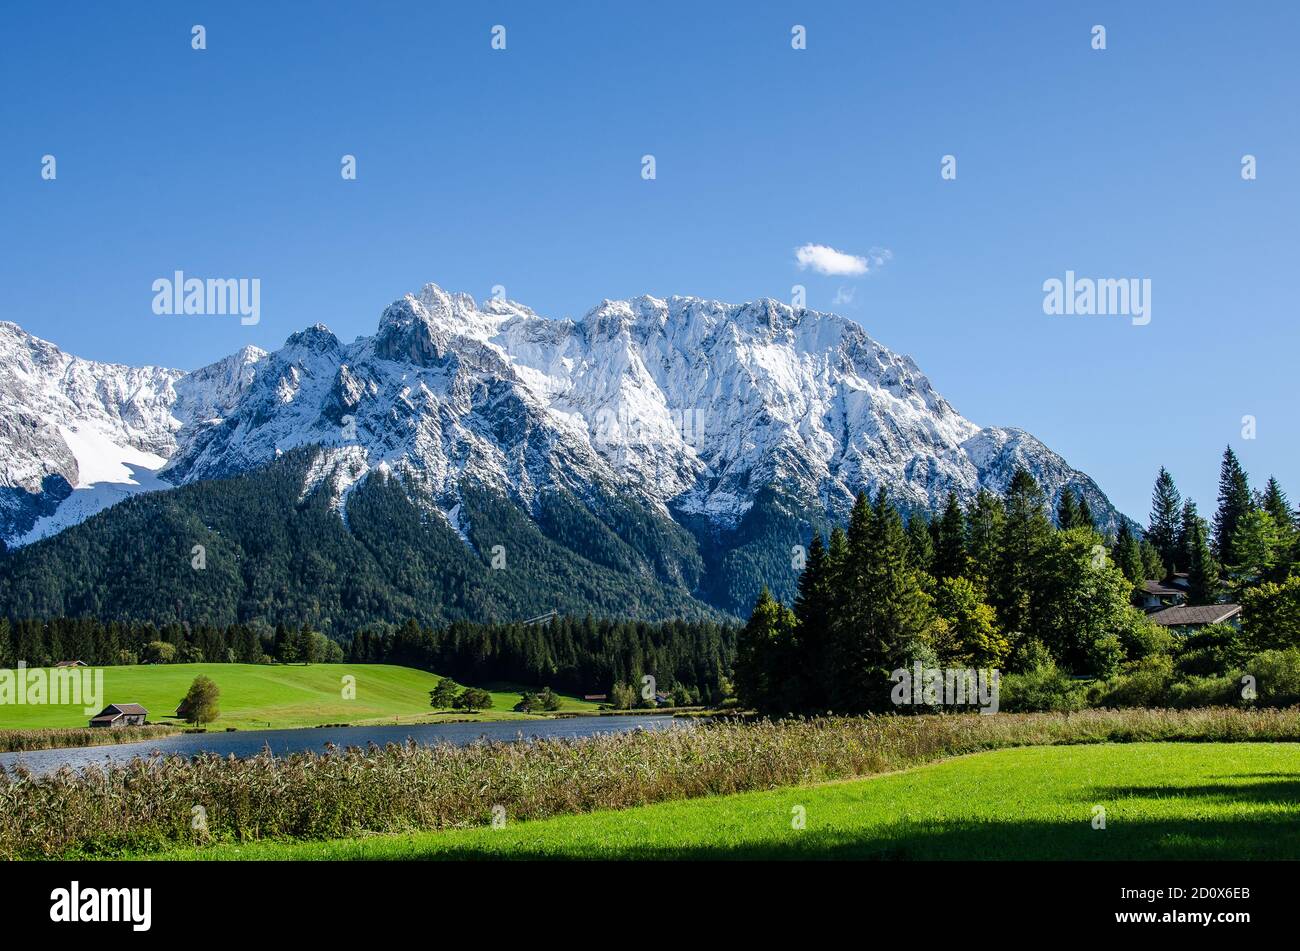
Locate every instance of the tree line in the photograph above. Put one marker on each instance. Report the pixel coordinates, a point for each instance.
(1006, 583)
(578, 655)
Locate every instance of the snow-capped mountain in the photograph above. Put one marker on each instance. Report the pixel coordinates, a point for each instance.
(78, 436)
(692, 406)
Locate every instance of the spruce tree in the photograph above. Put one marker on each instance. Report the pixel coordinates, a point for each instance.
(1276, 505)
(1128, 554)
(849, 621)
(1234, 503)
(1187, 522)
(1083, 515)
(920, 545)
(887, 611)
(1153, 566)
(1258, 549)
(1162, 529)
(1067, 514)
(900, 610)
(1021, 544)
(985, 521)
(813, 608)
(766, 656)
(1202, 572)
(949, 540)
(1275, 502)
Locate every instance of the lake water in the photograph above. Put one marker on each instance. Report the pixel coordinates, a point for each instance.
(251, 742)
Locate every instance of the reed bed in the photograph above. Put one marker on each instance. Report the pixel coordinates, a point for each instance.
(16, 741)
(150, 804)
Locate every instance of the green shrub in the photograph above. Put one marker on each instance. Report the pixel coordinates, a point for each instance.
(1215, 649)
(1277, 677)
(1144, 683)
(1205, 692)
(1048, 688)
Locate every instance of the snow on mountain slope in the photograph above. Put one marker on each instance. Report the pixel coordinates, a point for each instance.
(691, 406)
(77, 435)
(107, 472)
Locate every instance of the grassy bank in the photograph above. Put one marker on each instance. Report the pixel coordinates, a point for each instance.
(142, 807)
(1161, 801)
(13, 741)
(258, 696)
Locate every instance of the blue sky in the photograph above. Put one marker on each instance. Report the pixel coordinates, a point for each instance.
(522, 168)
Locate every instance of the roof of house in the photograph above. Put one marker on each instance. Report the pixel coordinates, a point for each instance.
(71, 663)
(1161, 589)
(121, 709)
(1201, 614)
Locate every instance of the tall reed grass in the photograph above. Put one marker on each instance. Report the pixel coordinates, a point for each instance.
(14, 741)
(150, 804)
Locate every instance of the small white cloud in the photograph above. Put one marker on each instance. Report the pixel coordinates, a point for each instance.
(826, 260)
(843, 295)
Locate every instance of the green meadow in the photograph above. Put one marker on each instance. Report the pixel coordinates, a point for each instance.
(1160, 801)
(259, 696)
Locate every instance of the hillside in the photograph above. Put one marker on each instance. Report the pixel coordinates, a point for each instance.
(273, 554)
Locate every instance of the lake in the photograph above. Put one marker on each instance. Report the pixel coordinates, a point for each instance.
(245, 743)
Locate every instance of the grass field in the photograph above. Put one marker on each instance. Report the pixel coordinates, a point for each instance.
(1161, 801)
(261, 696)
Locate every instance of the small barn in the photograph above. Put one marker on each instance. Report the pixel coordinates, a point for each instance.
(120, 714)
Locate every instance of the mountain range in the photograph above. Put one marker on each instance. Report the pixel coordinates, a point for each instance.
(656, 458)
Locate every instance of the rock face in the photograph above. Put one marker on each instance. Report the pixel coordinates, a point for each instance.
(695, 408)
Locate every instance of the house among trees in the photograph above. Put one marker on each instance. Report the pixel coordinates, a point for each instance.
(71, 663)
(120, 714)
(1184, 619)
(1157, 595)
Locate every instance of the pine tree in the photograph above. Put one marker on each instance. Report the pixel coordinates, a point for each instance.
(1162, 529)
(765, 656)
(1234, 503)
(949, 531)
(1067, 514)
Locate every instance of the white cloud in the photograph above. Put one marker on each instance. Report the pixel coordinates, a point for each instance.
(826, 260)
(843, 295)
